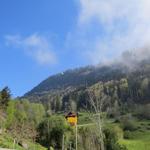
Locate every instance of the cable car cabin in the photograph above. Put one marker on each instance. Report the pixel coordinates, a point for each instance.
(71, 118)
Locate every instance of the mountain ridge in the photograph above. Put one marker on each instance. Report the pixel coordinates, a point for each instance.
(118, 82)
(84, 76)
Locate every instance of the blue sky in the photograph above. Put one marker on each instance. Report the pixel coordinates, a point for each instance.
(50, 19)
(39, 38)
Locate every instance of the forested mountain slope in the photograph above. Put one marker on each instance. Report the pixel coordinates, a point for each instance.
(120, 83)
(85, 76)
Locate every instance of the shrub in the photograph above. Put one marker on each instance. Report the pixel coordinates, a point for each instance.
(143, 111)
(119, 132)
(128, 123)
(51, 131)
(128, 135)
(111, 140)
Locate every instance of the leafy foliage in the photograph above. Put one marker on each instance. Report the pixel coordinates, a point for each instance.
(52, 130)
(22, 118)
(122, 87)
(128, 123)
(111, 140)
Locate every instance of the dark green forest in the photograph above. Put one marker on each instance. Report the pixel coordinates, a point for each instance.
(123, 87)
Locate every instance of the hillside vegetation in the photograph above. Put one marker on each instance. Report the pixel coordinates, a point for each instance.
(113, 105)
(123, 87)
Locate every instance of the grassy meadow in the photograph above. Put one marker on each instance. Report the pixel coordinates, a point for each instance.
(139, 139)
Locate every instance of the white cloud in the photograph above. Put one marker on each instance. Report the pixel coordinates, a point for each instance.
(125, 23)
(35, 46)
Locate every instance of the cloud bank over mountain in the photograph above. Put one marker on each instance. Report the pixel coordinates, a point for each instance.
(124, 25)
(102, 30)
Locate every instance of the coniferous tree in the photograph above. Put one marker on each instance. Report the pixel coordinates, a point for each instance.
(5, 96)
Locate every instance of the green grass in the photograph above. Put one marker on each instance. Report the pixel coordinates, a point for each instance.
(6, 141)
(84, 118)
(140, 138)
(140, 142)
